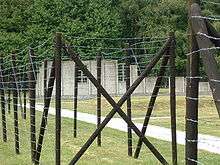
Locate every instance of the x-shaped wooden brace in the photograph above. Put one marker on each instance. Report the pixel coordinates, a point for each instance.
(117, 106)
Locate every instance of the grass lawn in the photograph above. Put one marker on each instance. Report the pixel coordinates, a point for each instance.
(113, 150)
(209, 122)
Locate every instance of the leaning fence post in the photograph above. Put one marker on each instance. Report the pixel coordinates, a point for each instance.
(152, 101)
(128, 84)
(58, 45)
(45, 113)
(32, 100)
(99, 72)
(173, 98)
(2, 93)
(15, 103)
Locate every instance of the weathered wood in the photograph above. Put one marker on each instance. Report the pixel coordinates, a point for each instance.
(45, 113)
(2, 93)
(9, 97)
(25, 102)
(213, 33)
(173, 100)
(99, 74)
(58, 46)
(32, 100)
(192, 90)
(75, 100)
(15, 103)
(152, 102)
(208, 58)
(45, 79)
(117, 106)
(128, 83)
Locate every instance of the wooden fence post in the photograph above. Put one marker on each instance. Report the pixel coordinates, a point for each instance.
(45, 79)
(173, 98)
(9, 96)
(32, 100)
(2, 93)
(192, 92)
(208, 59)
(75, 100)
(128, 84)
(15, 103)
(25, 100)
(99, 74)
(58, 47)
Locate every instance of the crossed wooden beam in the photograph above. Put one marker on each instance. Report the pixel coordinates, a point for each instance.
(169, 56)
(117, 106)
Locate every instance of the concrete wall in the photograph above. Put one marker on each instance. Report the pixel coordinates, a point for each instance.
(110, 77)
(150, 83)
(180, 84)
(204, 88)
(109, 80)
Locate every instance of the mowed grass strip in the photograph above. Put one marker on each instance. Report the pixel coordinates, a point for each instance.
(209, 121)
(112, 152)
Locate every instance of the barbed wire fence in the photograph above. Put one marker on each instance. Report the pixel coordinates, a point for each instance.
(204, 45)
(116, 65)
(29, 72)
(19, 71)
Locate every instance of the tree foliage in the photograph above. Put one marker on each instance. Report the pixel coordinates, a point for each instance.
(33, 21)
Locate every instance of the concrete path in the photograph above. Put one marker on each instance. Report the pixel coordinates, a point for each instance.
(206, 142)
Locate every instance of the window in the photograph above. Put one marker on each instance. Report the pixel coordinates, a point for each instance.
(121, 72)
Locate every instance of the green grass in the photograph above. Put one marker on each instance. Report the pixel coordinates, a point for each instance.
(113, 150)
(209, 122)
